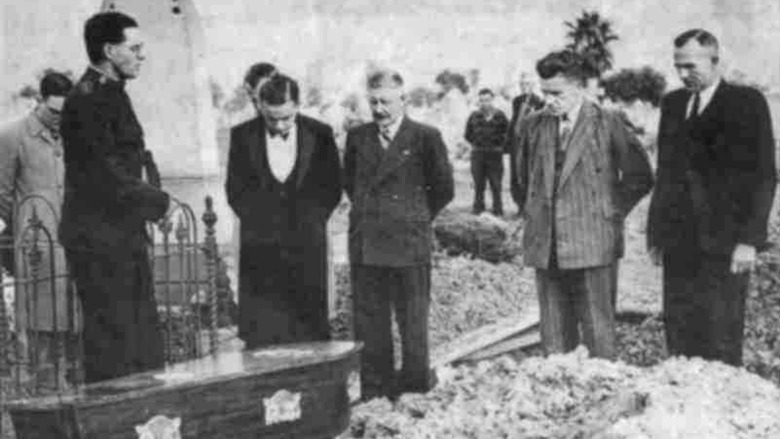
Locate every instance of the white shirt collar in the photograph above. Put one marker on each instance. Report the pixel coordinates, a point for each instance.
(573, 114)
(393, 128)
(705, 96)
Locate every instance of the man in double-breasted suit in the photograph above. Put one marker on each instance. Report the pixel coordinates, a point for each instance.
(708, 215)
(578, 172)
(399, 177)
(283, 182)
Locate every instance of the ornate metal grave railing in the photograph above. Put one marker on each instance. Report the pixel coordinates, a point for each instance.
(40, 345)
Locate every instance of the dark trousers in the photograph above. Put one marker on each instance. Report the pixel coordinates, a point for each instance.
(570, 299)
(704, 305)
(377, 291)
(121, 323)
(282, 295)
(487, 168)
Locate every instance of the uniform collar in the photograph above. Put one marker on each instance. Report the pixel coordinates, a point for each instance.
(105, 77)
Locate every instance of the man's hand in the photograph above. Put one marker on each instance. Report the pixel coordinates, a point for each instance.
(3, 225)
(743, 260)
(656, 255)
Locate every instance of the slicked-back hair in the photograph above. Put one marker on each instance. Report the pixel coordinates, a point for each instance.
(278, 90)
(381, 78)
(105, 28)
(256, 72)
(486, 91)
(564, 62)
(701, 36)
(55, 84)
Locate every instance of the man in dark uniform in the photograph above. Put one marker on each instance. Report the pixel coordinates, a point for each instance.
(486, 129)
(283, 182)
(107, 204)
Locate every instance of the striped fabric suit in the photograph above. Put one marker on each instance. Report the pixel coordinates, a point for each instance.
(605, 172)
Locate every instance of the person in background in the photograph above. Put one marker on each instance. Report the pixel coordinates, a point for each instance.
(32, 178)
(108, 203)
(398, 177)
(486, 130)
(578, 172)
(709, 211)
(283, 182)
(524, 104)
(255, 76)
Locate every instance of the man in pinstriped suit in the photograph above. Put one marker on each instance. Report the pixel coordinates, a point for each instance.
(577, 173)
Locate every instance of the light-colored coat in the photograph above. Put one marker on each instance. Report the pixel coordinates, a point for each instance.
(605, 173)
(31, 178)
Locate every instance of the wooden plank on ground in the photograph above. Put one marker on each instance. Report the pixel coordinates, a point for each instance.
(485, 336)
(526, 339)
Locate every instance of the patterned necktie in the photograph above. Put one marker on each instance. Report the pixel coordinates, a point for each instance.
(384, 134)
(695, 106)
(565, 131)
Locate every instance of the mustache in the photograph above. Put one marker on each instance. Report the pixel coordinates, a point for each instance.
(380, 115)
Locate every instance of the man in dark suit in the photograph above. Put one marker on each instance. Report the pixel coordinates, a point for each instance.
(399, 177)
(708, 215)
(107, 204)
(283, 182)
(578, 173)
(524, 104)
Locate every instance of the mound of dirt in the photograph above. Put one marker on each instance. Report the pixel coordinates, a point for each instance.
(568, 396)
(482, 236)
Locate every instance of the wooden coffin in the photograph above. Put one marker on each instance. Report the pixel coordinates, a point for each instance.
(286, 391)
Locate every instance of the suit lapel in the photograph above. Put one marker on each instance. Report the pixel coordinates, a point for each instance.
(547, 141)
(256, 145)
(578, 139)
(717, 97)
(370, 149)
(396, 152)
(306, 143)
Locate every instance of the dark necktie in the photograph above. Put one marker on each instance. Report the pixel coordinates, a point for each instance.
(695, 106)
(284, 136)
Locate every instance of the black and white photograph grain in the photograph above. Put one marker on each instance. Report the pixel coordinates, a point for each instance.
(389, 219)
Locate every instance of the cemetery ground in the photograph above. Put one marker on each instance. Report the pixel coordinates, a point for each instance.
(523, 395)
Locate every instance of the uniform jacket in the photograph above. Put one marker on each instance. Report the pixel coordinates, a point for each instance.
(716, 172)
(107, 202)
(396, 193)
(605, 173)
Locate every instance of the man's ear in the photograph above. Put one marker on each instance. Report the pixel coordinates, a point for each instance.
(108, 51)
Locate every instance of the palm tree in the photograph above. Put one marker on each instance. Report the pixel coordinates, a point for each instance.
(590, 35)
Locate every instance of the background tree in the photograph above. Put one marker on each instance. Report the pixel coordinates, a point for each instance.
(629, 85)
(448, 80)
(590, 35)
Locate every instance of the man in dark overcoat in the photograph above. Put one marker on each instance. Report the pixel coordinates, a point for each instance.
(107, 204)
(708, 215)
(283, 182)
(399, 177)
